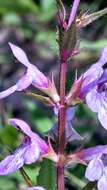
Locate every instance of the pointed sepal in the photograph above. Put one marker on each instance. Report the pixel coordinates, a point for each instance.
(46, 100)
(87, 19)
(72, 98)
(51, 91)
(51, 154)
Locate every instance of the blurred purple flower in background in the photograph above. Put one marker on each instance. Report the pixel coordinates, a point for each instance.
(70, 132)
(28, 152)
(36, 188)
(32, 76)
(94, 88)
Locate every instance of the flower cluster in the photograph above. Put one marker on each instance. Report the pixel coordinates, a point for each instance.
(92, 91)
(90, 88)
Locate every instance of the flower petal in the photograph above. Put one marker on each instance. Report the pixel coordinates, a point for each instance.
(105, 170)
(36, 188)
(32, 153)
(96, 70)
(11, 164)
(93, 100)
(70, 133)
(103, 58)
(102, 183)
(7, 92)
(103, 78)
(28, 152)
(94, 170)
(24, 82)
(91, 153)
(19, 54)
(102, 116)
(39, 79)
(22, 126)
(92, 74)
(70, 113)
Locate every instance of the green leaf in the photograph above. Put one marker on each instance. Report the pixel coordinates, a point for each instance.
(6, 184)
(89, 186)
(11, 19)
(75, 181)
(48, 10)
(43, 124)
(8, 135)
(47, 4)
(47, 175)
(48, 37)
(93, 45)
(18, 6)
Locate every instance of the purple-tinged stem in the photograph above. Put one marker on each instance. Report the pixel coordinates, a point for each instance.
(62, 108)
(61, 127)
(73, 12)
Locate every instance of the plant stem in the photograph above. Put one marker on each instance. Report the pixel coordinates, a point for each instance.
(61, 127)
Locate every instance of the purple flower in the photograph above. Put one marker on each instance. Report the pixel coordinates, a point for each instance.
(96, 159)
(70, 132)
(28, 152)
(36, 188)
(32, 76)
(97, 167)
(94, 88)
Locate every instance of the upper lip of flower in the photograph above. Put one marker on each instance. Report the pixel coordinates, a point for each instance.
(24, 128)
(95, 73)
(33, 75)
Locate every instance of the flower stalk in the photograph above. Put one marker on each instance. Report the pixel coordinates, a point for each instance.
(65, 53)
(61, 127)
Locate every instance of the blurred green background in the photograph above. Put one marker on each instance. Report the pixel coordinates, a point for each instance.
(32, 25)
